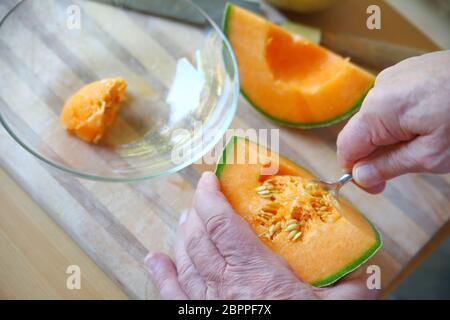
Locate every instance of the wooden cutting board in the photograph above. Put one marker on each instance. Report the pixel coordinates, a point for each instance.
(117, 224)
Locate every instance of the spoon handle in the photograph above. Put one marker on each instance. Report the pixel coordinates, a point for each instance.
(345, 179)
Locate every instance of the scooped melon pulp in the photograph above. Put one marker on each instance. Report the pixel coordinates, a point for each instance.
(91, 110)
(321, 238)
(290, 79)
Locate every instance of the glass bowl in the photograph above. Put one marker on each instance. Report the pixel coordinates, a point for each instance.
(182, 77)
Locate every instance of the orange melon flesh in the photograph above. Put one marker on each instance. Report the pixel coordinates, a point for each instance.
(290, 79)
(327, 250)
(91, 110)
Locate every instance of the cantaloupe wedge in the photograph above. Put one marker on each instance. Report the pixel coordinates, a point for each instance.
(321, 238)
(290, 79)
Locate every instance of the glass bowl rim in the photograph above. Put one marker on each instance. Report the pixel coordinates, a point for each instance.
(224, 126)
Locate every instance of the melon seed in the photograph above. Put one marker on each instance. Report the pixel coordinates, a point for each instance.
(291, 227)
(271, 230)
(292, 234)
(297, 235)
(277, 226)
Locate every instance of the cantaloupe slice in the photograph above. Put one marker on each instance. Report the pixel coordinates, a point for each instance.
(91, 110)
(321, 238)
(289, 79)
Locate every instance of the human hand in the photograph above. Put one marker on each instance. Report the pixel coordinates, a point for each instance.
(403, 125)
(218, 256)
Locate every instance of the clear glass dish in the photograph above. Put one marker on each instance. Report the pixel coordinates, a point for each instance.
(183, 85)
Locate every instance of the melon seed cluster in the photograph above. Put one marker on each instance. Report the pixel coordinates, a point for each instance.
(293, 204)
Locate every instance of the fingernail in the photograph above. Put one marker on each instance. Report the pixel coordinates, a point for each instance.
(151, 264)
(183, 218)
(366, 175)
(208, 181)
(208, 174)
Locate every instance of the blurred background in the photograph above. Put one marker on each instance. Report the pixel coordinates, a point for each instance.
(430, 280)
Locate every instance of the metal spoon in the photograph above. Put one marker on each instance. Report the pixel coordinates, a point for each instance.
(334, 187)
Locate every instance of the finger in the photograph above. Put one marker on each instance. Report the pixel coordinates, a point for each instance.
(163, 274)
(224, 227)
(387, 163)
(354, 142)
(379, 188)
(188, 276)
(375, 125)
(202, 251)
(352, 287)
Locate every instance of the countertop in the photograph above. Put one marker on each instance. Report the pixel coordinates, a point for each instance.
(35, 251)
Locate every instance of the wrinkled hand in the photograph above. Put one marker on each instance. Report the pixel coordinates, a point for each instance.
(403, 125)
(218, 256)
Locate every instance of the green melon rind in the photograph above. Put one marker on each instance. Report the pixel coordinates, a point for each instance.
(300, 125)
(310, 125)
(226, 16)
(342, 272)
(354, 265)
(223, 158)
(310, 33)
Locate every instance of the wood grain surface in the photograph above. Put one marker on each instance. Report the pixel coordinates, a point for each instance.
(35, 254)
(117, 224)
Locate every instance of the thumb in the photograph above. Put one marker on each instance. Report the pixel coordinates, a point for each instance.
(222, 223)
(375, 126)
(386, 163)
